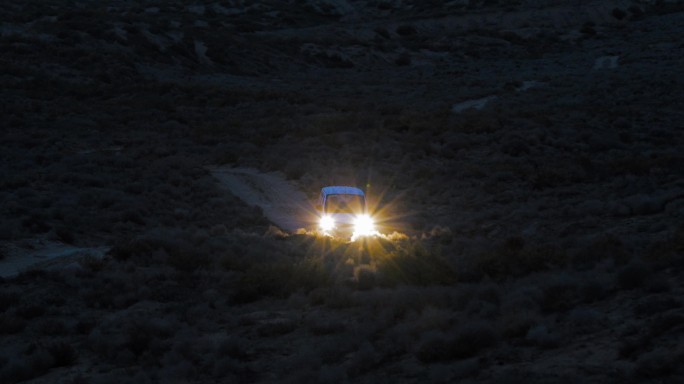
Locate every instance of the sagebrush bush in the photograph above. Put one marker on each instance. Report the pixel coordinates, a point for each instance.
(512, 258)
(633, 275)
(363, 360)
(584, 319)
(63, 353)
(10, 324)
(234, 347)
(51, 327)
(668, 253)
(600, 249)
(516, 325)
(318, 324)
(36, 360)
(661, 363)
(280, 279)
(559, 293)
(466, 341)
(540, 335)
(8, 299)
(365, 276)
(416, 265)
(656, 304)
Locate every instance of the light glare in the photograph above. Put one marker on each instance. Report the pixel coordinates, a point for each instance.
(363, 226)
(327, 223)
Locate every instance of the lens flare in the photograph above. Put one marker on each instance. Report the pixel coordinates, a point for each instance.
(327, 223)
(363, 226)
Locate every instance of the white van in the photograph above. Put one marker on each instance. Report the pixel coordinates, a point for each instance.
(344, 213)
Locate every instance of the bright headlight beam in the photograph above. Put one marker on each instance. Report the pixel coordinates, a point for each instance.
(363, 225)
(327, 223)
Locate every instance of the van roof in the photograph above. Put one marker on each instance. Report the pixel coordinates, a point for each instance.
(341, 190)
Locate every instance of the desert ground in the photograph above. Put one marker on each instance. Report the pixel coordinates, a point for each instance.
(159, 161)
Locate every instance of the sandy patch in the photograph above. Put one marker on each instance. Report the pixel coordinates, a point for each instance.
(472, 104)
(282, 202)
(43, 254)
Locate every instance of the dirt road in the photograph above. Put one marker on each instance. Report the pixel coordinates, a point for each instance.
(43, 254)
(282, 202)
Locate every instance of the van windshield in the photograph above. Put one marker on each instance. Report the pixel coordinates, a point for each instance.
(344, 204)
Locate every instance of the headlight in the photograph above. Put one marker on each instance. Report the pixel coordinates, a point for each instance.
(363, 225)
(327, 223)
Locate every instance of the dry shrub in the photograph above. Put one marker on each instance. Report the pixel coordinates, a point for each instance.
(10, 324)
(559, 293)
(601, 248)
(655, 304)
(321, 325)
(8, 299)
(662, 362)
(462, 343)
(633, 345)
(668, 253)
(595, 288)
(516, 325)
(365, 276)
(541, 336)
(365, 359)
(414, 264)
(92, 263)
(51, 327)
(61, 232)
(63, 354)
(36, 360)
(335, 297)
(179, 249)
(406, 30)
(511, 258)
(30, 311)
(633, 275)
(280, 279)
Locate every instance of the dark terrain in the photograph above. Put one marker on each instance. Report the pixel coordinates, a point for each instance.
(529, 154)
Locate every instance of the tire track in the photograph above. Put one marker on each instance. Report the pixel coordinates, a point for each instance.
(281, 202)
